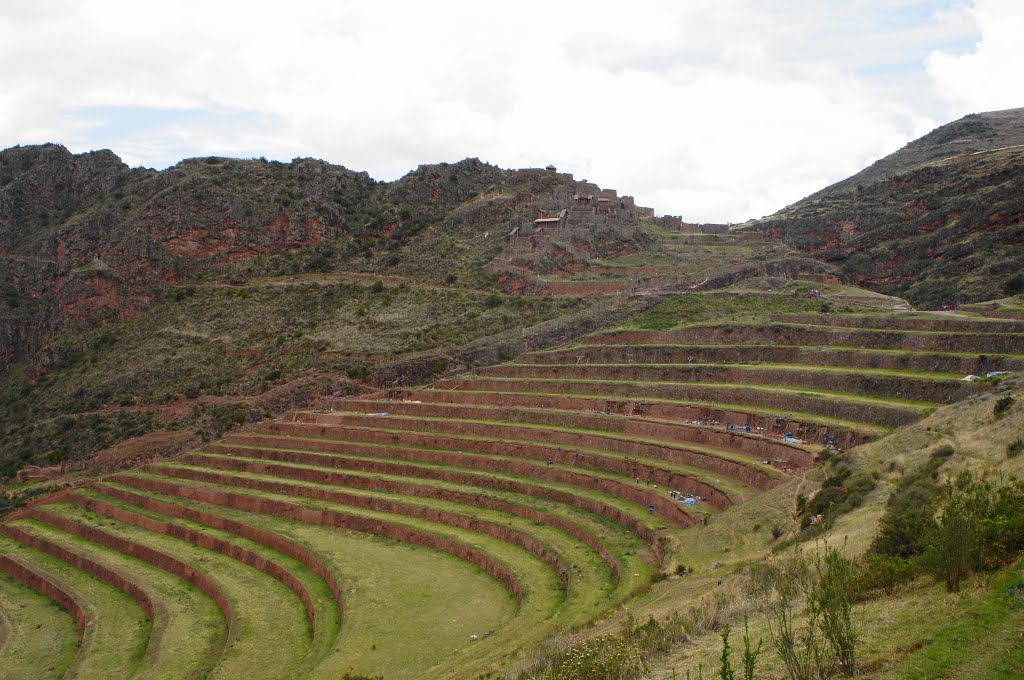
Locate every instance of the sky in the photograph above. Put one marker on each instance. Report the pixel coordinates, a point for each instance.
(716, 110)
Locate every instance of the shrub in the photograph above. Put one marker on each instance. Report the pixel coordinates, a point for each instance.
(882, 572)
(824, 585)
(1003, 405)
(377, 287)
(1014, 448)
(910, 511)
(358, 372)
(952, 548)
(842, 491)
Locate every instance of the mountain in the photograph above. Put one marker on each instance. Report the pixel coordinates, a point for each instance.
(221, 290)
(941, 221)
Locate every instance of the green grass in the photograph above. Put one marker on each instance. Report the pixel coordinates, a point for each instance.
(267, 613)
(730, 486)
(974, 635)
(43, 637)
(328, 617)
(118, 640)
(698, 307)
(866, 428)
(543, 610)
(909, 404)
(592, 582)
(417, 616)
(191, 628)
(816, 368)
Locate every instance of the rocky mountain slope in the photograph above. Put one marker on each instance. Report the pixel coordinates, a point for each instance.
(940, 221)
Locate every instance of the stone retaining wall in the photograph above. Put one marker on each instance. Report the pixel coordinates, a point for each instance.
(455, 477)
(734, 442)
(28, 576)
(808, 431)
(384, 505)
(388, 486)
(662, 506)
(902, 387)
(874, 414)
(777, 334)
(269, 539)
(422, 433)
(205, 541)
(784, 354)
(567, 456)
(373, 526)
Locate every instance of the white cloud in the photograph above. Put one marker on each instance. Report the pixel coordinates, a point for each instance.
(990, 77)
(714, 109)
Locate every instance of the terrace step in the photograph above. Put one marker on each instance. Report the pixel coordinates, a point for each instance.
(730, 441)
(860, 382)
(275, 542)
(848, 357)
(549, 545)
(357, 523)
(99, 505)
(259, 609)
(782, 401)
(766, 424)
(446, 590)
(319, 453)
(806, 335)
(587, 468)
(542, 552)
(524, 575)
(191, 633)
(118, 629)
(538, 440)
(721, 476)
(41, 639)
(910, 323)
(423, 491)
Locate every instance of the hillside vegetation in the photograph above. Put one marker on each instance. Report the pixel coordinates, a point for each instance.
(940, 222)
(274, 420)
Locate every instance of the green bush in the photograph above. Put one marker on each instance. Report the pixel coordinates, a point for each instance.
(910, 511)
(882, 572)
(358, 372)
(1014, 448)
(1003, 405)
(842, 491)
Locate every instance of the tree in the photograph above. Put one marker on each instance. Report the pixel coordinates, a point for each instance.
(725, 671)
(749, 655)
(952, 547)
(826, 641)
(831, 598)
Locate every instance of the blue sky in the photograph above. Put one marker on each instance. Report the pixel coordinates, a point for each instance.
(713, 109)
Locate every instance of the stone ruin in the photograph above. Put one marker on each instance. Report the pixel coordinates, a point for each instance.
(565, 224)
